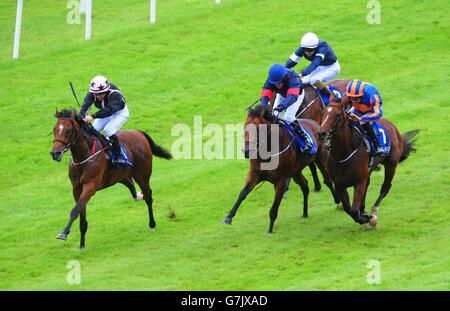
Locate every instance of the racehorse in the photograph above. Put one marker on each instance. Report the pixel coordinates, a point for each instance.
(312, 108)
(349, 160)
(290, 163)
(90, 168)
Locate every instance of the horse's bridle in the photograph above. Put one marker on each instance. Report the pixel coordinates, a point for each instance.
(70, 143)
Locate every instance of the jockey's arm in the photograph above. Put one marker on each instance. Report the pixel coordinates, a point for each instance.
(115, 103)
(293, 59)
(266, 95)
(87, 103)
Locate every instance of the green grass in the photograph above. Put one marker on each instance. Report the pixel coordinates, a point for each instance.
(211, 60)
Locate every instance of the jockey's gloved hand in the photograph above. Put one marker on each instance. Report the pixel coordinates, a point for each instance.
(279, 108)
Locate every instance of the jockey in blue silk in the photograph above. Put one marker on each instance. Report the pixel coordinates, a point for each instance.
(286, 84)
(324, 64)
(366, 102)
(112, 115)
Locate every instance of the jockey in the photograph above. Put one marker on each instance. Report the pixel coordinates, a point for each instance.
(286, 84)
(324, 64)
(113, 112)
(366, 108)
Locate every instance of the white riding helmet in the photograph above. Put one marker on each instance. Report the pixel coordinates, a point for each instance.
(99, 84)
(309, 41)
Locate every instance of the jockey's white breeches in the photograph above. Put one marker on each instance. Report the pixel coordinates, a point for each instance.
(289, 113)
(112, 123)
(323, 74)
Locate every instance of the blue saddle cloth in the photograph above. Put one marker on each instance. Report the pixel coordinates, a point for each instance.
(383, 138)
(124, 155)
(298, 144)
(326, 99)
(382, 135)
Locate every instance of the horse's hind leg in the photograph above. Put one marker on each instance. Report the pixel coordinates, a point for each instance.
(128, 182)
(389, 172)
(303, 183)
(317, 185)
(144, 184)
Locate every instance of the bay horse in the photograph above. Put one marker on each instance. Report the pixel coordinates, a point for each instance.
(290, 163)
(90, 168)
(312, 108)
(349, 160)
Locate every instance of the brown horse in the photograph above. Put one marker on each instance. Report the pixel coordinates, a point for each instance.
(349, 160)
(290, 163)
(90, 168)
(312, 108)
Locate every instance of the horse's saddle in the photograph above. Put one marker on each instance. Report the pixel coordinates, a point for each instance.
(325, 99)
(382, 135)
(111, 153)
(298, 143)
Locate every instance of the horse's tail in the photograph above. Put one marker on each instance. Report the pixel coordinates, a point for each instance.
(409, 140)
(156, 149)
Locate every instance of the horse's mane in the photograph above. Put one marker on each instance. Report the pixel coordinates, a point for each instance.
(256, 112)
(67, 114)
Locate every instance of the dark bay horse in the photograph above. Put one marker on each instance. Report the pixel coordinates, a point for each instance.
(90, 168)
(290, 163)
(349, 160)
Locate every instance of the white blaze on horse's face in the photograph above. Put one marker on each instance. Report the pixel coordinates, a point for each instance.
(61, 127)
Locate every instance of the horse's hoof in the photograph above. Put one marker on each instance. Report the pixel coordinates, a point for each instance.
(304, 216)
(339, 207)
(227, 221)
(139, 196)
(317, 189)
(373, 220)
(62, 236)
(152, 226)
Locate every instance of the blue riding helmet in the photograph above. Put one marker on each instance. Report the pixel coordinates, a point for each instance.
(276, 73)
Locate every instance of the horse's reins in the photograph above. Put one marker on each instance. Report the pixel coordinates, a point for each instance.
(86, 160)
(304, 109)
(334, 132)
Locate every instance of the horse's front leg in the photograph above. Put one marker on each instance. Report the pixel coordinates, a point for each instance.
(279, 190)
(345, 199)
(251, 182)
(80, 208)
(358, 201)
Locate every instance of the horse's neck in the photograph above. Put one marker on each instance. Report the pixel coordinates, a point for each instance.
(81, 149)
(342, 143)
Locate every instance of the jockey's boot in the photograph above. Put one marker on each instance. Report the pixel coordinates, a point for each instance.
(369, 129)
(115, 143)
(302, 134)
(104, 141)
(325, 90)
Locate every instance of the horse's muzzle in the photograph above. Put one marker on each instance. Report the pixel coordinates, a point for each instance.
(56, 154)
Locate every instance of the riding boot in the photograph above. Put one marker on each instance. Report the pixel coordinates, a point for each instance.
(115, 143)
(325, 90)
(302, 134)
(373, 136)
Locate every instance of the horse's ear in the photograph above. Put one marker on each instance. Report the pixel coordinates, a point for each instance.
(73, 115)
(56, 112)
